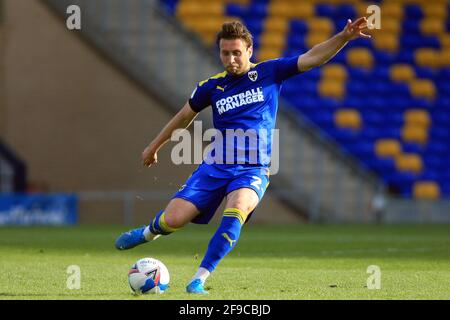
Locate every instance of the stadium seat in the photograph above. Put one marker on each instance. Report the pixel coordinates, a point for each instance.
(423, 88)
(334, 71)
(444, 58)
(391, 25)
(348, 118)
(331, 89)
(444, 39)
(360, 57)
(386, 42)
(391, 9)
(426, 190)
(315, 38)
(415, 134)
(199, 9)
(409, 162)
(321, 25)
(387, 148)
(402, 72)
(268, 53)
(417, 117)
(279, 9)
(275, 40)
(276, 24)
(427, 57)
(435, 9)
(432, 26)
(301, 10)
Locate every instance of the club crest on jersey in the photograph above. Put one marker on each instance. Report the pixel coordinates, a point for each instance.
(253, 75)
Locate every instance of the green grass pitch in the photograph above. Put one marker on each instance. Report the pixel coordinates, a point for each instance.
(269, 262)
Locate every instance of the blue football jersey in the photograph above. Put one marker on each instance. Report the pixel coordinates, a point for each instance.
(244, 110)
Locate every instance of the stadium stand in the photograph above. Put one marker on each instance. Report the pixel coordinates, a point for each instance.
(385, 101)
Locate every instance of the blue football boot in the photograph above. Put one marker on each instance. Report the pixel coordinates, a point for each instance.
(131, 239)
(196, 286)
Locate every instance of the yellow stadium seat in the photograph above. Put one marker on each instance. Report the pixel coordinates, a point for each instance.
(391, 9)
(268, 54)
(302, 10)
(275, 40)
(209, 38)
(387, 148)
(402, 72)
(423, 88)
(391, 25)
(416, 134)
(432, 26)
(445, 40)
(332, 89)
(199, 9)
(360, 8)
(320, 25)
(279, 9)
(210, 24)
(410, 162)
(417, 118)
(444, 58)
(435, 10)
(315, 38)
(241, 2)
(276, 24)
(386, 41)
(348, 118)
(360, 57)
(426, 57)
(334, 71)
(426, 190)
(188, 8)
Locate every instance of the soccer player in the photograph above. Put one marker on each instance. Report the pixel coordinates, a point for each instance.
(244, 97)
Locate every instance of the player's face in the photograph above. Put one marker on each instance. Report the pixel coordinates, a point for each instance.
(235, 55)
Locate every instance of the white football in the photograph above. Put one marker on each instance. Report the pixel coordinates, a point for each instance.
(148, 275)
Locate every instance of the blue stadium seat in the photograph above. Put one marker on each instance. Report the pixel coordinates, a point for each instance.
(409, 147)
(235, 10)
(325, 10)
(384, 58)
(298, 27)
(411, 27)
(296, 42)
(413, 12)
(424, 72)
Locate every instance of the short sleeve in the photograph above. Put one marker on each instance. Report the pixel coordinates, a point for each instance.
(200, 98)
(285, 68)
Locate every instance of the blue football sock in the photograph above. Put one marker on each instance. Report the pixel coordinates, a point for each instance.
(224, 239)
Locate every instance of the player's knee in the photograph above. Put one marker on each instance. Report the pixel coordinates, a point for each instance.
(173, 221)
(244, 200)
(242, 204)
(179, 212)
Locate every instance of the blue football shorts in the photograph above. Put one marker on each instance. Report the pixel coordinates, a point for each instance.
(209, 184)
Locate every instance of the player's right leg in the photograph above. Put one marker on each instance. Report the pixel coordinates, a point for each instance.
(176, 215)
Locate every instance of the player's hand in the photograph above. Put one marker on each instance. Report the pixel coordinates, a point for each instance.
(149, 156)
(354, 30)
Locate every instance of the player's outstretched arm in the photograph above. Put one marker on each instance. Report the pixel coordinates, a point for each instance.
(322, 52)
(181, 120)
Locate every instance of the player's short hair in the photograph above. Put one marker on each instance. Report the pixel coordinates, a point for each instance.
(235, 30)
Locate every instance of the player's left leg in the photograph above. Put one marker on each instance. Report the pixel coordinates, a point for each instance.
(239, 204)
